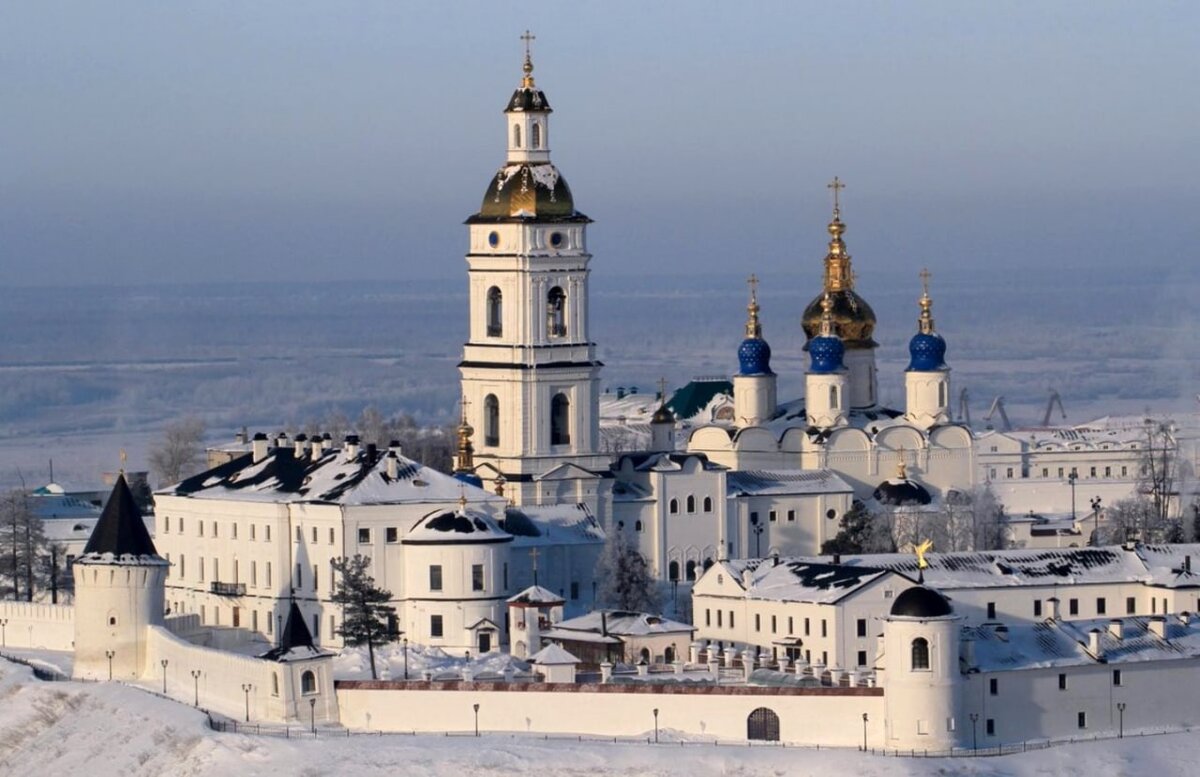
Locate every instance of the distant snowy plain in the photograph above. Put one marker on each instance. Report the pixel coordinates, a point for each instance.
(87, 371)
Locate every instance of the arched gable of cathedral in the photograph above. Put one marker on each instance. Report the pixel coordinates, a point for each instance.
(894, 438)
(953, 437)
(848, 439)
(710, 438)
(755, 438)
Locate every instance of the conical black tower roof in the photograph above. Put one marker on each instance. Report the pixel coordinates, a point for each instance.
(294, 637)
(120, 530)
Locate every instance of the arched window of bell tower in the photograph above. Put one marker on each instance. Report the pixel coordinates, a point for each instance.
(491, 420)
(560, 420)
(833, 398)
(556, 312)
(920, 653)
(941, 392)
(535, 135)
(495, 312)
(516, 136)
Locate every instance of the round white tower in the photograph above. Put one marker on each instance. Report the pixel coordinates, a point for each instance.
(825, 400)
(118, 592)
(927, 379)
(754, 399)
(921, 677)
(662, 428)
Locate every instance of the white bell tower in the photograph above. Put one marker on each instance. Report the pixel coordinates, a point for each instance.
(825, 383)
(530, 378)
(927, 379)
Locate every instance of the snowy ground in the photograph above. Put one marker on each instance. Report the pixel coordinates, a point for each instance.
(103, 729)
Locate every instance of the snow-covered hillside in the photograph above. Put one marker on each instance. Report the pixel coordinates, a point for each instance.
(105, 729)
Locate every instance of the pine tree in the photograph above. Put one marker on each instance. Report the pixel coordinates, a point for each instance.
(860, 531)
(624, 578)
(23, 546)
(365, 608)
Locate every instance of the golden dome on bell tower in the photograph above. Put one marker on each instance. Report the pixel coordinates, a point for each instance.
(854, 320)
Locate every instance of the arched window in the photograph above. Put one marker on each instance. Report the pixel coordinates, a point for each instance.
(708, 562)
(308, 682)
(274, 683)
(560, 420)
(556, 313)
(920, 653)
(673, 571)
(763, 725)
(691, 504)
(708, 504)
(669, 654)
(491, 420)
(637, 526)
(833, 398)
(690, 570)
(535, 135)
(942, 392)
(673, 506)
(495, 312)
(516, 136)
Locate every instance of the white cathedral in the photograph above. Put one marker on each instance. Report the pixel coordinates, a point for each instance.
(533, 498)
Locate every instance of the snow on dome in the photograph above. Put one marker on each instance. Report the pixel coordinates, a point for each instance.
(461, 525)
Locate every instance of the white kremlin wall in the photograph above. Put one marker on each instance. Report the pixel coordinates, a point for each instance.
(825, 716)
(37, 626)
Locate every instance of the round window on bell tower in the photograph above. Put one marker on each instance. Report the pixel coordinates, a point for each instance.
(556, 239)
(494, 239)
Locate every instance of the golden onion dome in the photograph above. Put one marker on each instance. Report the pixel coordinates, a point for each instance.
(528, 190)
(854, 320)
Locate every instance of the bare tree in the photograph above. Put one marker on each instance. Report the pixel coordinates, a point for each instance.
(180, 453)
(1158, 469)
(1138, 518)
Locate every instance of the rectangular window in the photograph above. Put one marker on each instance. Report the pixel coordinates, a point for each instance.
(806, 625)
(254, 620)
(1130, 605)
(1092, 473)
(773, 629)
(332, 536)
(824, 628)
(233, 528)
(1060, 472)
(181, 526)
(506, 577)
(252, 531)
(364, 536)
(166, 524)
(825, 657)
(1008, 473)
(861, 627)
(757, 622)
(253, 573)
(314, 535)
(1082, 718)
(202, 569)
(182, 566)
(1037, 608)
(991, 727)
(316, 626)
(991, 608)
(270, 626)
(1062, 682)
(299, 534)
(316, 577)
(771, 516)
(791, 515)
(1073, 606)
(1101, 606)
(1108, 472)
(332, 625)
(790, 629)
(1124, 471)
(299, 576)
(267, 532)
(1045, 472)
(216, 569)
(392, 534)
(268, 571)
(720, 619)
(731, 619)
(862, 658)
(574, 591)
(477, 577)
(707, 617)
(994, 686)
(216, 529)
(435, 626)
(199, 528)
(435, 577)
(1117, 677)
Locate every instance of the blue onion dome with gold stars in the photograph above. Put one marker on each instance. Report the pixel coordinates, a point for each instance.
(826, 349)
(926, 349)
(754, 354)
(854, 320)
(528, 189)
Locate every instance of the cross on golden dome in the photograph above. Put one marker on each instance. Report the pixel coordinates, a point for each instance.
(528, 37)
(837, 185)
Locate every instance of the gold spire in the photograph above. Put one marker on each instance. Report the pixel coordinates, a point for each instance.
(124, 459)
(753, 327)
(466, 451)
(462, 498)
(527, 82)
(921, 550)
(838, 275)
(901, 468)
(827, 326)
(925, 322)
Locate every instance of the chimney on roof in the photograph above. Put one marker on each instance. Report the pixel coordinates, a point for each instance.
(259, 447)
(603, 623)
(372, 452)
(1185, 617)
(351, 447)
(393, 465)
(1158, 627)
(747, 578)
(1116, 628)
(620, 392)
(837, 558)
(967, 652)
(394, 447)
(1187, 565)
(1094, 643)
(241, 438)
(1002, 633)
(281, 440)
(301, 445)
(318, 446)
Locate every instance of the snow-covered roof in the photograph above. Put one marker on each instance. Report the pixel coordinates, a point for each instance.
(785, 481)
(552, 655)
(796, 580)
(1055, 643)
(458, 526)
(621, 624)
(1159, 565)
(569, 524)
(55, 506)
(333, 477)
(535, 594)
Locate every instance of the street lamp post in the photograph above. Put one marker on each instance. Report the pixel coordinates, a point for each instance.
(864, 732)
(974, 729)
(1121, 720)
(109, 655)
(406, 658)
(196, 684)
(164, 663)
(1072, 476)
(1096, 520)
(246, 688)
(476, 708)
(656, 725)
(4, 632)
(312, 714)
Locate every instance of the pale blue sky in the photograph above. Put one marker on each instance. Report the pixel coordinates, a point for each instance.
(229, 140)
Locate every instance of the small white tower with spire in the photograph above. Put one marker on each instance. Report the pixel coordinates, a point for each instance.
(927, 379)
(825, 400)
(754, 398)
(662, 424)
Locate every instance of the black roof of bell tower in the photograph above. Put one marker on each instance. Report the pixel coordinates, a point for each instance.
(121, 530)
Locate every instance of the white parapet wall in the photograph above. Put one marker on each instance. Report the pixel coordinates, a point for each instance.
(37, 626)
(225, 682)
(828, 716)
